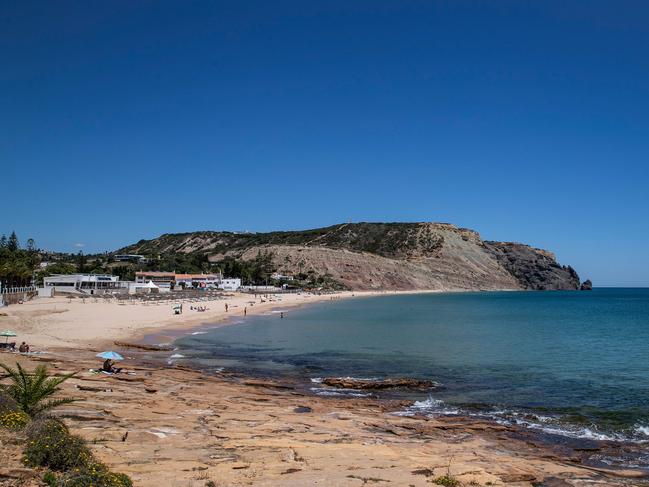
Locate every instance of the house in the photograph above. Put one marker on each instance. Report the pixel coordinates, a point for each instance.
(281, 277)
(164, 280)
(230, 284)
(129, 258)
(83, 283)
(198, 280)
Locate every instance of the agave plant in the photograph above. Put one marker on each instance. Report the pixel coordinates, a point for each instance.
(32, 391)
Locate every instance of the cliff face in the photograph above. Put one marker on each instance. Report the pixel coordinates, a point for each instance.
(396, 256)
(533, 268)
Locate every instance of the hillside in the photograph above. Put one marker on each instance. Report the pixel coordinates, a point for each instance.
(380, 256)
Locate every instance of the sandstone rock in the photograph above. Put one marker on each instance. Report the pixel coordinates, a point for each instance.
(403, 383)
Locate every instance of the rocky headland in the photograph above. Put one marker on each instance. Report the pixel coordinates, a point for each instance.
(379, 256)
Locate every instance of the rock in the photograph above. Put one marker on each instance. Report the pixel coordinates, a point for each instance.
(403, 383)
(552, 482)
(268, 384)
(141, 346)
(533, 268)
(517, 477)
(587, 285)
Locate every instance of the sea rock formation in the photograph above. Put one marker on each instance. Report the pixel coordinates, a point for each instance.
(587, 285)
(371, 384)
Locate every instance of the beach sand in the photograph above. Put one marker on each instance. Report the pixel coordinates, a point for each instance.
(170, 426)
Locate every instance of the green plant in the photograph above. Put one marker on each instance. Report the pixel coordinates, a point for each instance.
(95, 475)
(50, 444)
(32, 390)
(15, 420)
(50, 479)
(447, 481)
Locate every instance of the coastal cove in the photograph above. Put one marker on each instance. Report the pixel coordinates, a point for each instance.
(565, 364)
(185, 423)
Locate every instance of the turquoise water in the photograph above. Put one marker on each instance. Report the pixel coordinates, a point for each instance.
(573, 363)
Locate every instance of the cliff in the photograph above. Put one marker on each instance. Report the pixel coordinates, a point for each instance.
(396, 256)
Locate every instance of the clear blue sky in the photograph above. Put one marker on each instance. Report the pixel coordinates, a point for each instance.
(527, 121)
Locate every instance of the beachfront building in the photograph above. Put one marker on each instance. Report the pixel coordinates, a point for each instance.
(164, 280)
(130, 258)
(230, 284)
(142, 287)
(198, 280)
(83, 283)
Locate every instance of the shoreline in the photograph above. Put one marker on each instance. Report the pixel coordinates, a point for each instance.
(189, 426)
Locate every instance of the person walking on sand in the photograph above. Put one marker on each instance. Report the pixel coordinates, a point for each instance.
(245, 310)
(226, 307)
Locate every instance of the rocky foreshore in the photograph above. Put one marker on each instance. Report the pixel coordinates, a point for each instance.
(377, 384)
(178, 427)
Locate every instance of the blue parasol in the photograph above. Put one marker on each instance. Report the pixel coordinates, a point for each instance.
(111, 355)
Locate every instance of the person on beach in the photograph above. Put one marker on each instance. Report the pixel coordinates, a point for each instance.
(109, 367)
(226, 307)
(24, 348)
(245, 310)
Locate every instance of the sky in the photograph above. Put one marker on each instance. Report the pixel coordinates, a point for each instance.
(526, 121)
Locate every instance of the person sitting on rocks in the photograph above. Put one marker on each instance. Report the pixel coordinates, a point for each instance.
(109, 367)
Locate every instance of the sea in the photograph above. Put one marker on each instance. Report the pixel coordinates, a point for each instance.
(567, 363)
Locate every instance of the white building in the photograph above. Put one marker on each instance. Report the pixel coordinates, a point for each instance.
(231, 284)
(281, 277)
(164, 280)
(129, 258)
(198, 280)
(83, 283)
(143, 287)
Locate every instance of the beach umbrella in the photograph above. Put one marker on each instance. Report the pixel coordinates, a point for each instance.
(7, 334)
(111, 355)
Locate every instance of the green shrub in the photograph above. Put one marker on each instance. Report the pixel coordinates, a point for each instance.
(50, 479)
(447, 481)
(95, 475)
(15, 420)
(50, 444)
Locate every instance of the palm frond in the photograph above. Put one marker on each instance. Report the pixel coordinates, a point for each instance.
(30, 390)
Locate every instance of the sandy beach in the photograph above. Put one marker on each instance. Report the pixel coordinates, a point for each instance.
(176, 427)
(57, 322)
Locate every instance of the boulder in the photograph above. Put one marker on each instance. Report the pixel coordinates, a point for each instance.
(587, 285)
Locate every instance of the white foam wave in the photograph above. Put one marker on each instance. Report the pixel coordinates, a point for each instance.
(199, 333)
(642, 430)
(177, 355)
(325, 391)
(429, 407)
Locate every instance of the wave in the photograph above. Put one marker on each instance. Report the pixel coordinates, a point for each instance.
(177, 355)
(553, 425)
(199, 333)
(326, 391)
(642, 430)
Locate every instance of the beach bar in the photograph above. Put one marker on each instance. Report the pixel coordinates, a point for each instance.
(84, 283)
